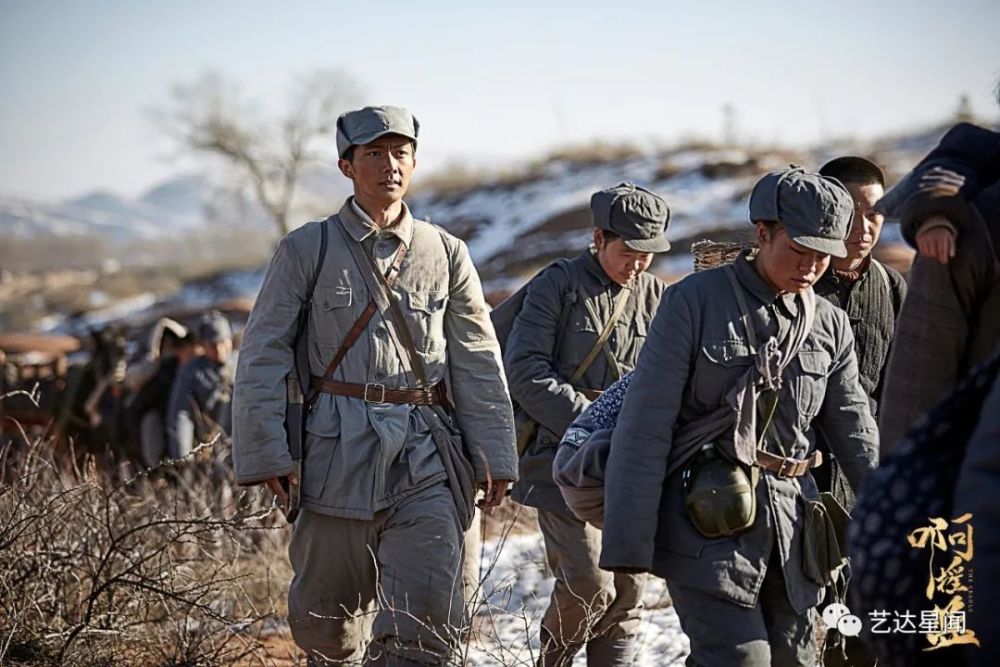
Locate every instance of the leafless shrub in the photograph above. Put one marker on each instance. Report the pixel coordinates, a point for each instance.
(171, 567)
(176, 565)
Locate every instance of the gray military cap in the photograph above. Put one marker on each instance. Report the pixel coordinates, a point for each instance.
(635, 214)
(364, 126)
(214, 327)
(816, 211)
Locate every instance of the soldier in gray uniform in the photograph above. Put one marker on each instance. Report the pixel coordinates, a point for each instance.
(377, 546)
(566, 309)
(745, 393)
(199, 406)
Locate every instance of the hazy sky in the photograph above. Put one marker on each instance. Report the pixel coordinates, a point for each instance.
(487, 80)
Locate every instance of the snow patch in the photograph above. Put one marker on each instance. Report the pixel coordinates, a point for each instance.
(517, 586)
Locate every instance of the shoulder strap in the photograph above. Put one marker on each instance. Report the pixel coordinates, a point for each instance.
(601, 343)
(795, 337)
(744, 309)
(385, 301)
(400, 326)
(885, 275)
(322, 258)
(807, 302)
(297, 382)
(570, 296)
(362, 322)
(300, 347)
(507, 311)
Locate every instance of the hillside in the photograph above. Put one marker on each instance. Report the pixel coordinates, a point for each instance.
(514, 224)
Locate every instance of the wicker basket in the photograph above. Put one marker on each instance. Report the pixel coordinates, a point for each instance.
(710, 254)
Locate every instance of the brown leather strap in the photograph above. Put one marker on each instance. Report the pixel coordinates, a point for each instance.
(379, 393)
(620, 302)
(359, 325)
(786, 466)
(402, 329)
(591, 394)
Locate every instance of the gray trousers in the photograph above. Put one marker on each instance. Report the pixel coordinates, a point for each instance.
(724, 634)
(393, 582)
(588, 605)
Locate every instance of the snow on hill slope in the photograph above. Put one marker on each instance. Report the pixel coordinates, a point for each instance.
(513, 226)
(514, 229)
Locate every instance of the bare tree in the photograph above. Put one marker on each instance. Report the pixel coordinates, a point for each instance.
(209, 116)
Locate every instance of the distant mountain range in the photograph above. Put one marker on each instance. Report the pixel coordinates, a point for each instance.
(513, 224)
(173, 208)
(183, 204)
(490, 213)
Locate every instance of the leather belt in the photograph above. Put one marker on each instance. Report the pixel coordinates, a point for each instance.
(591, 394)
(788, 467)
(374, 392)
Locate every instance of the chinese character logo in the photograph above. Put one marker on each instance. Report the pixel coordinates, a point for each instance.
(951, 543)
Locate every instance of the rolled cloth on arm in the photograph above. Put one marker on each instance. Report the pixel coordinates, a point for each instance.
(578, 469)
(581, 460)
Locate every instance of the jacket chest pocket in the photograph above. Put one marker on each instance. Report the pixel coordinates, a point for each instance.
(720, 365)
(638, 328)
(427, 316)
(332, 313)
(810, 383)
(575, 340)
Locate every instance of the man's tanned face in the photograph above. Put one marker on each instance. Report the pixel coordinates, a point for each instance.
(867, 224)
(785, 265)
(621, 263)
(381, 170)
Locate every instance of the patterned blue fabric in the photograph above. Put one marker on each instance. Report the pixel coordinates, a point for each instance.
(604, 411)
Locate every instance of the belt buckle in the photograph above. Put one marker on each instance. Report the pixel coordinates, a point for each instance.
(785, 462)
(378, 386)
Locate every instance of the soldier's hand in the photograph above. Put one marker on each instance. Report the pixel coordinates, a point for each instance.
(936, 242)
(279, 487)
(496, 489)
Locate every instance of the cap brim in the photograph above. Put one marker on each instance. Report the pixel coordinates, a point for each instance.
(368, 138)
(831, 247)
(656, 244)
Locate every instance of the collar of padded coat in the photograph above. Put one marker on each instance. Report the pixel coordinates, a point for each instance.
(854, 276)
(593, 266)
(747, 274)
(360, 229)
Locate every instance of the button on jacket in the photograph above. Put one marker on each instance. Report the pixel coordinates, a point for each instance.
(362, 457)
(551, 337)
(697, 349)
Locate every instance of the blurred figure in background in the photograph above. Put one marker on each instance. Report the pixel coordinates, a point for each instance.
(976, 493)
(162, 338)
(200, 399)
(949, 209)
(171, 346)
